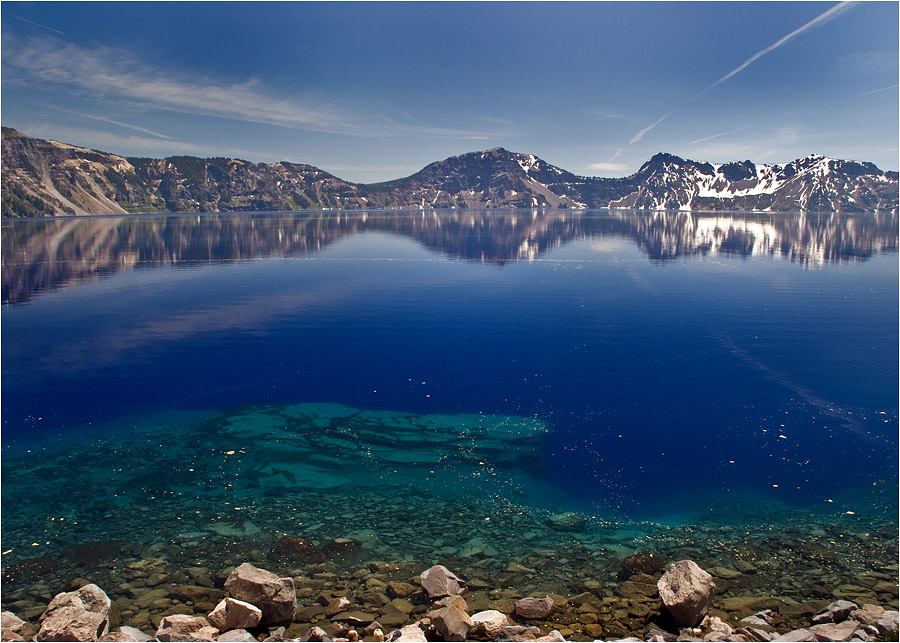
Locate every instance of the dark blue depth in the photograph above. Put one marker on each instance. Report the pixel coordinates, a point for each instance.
(667, 380)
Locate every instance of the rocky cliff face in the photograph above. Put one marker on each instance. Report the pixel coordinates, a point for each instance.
(45, 178)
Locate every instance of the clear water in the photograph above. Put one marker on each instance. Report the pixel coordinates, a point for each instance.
(419, 380)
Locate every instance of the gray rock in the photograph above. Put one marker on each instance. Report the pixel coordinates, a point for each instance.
(553, 637)
(890, 622)
(81, 615)
(765, 618)
(687, 592)
(10, 623)
(836, 612)
(452, 624)
(182, 627)
(877, 617)
(237, 636)
(276, 635)
(835, 631)
(486, 624)
(438, 582)
(274, 596)
(531, 607)
(128, 634)
(232, 614)
(796, 635)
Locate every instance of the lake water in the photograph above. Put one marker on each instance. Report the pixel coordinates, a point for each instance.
(470, 388)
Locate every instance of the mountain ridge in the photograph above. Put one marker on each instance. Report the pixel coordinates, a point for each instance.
(49, 178)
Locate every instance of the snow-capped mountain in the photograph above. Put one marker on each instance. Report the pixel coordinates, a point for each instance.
(816, 183)
(46, 178)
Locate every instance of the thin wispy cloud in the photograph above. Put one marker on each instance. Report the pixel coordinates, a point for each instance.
(105, 140)
(115, 75)
(708, 138)
(608, 167)
(640, 135)
(102, 119)
(815, 22)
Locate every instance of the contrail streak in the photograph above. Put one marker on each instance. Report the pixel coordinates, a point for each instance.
(36, 24)
(700, 140)
(815, 22)
(640, 135)
(875, 91)
(828, 15)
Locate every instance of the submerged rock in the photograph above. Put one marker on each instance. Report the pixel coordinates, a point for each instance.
(293, 550)
(643, 562)
(687, 592)
(517, 633)
(342, 549)
(535, 608)
(81, 615)
(568, 521)
(273, 595)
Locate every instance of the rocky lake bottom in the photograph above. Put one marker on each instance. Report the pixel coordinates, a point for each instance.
(358, 503)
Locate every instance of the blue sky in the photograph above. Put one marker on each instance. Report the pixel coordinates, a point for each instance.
(375, 91)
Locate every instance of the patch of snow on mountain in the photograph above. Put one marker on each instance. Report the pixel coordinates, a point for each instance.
(527, 162)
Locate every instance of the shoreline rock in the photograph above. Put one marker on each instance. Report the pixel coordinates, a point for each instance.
(358, 603)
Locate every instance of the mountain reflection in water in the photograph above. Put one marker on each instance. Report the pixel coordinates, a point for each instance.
(39, 255)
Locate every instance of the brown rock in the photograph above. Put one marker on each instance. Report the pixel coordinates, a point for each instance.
(232, 614)
(438, 582)
(835, 631)
(81, 615)
(9, 622)
(273, 595)
(452, 624)
(181, 627)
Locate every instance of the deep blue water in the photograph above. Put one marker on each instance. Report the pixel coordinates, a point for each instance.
(676, 358)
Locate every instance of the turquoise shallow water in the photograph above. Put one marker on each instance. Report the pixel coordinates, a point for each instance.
(492, 392)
